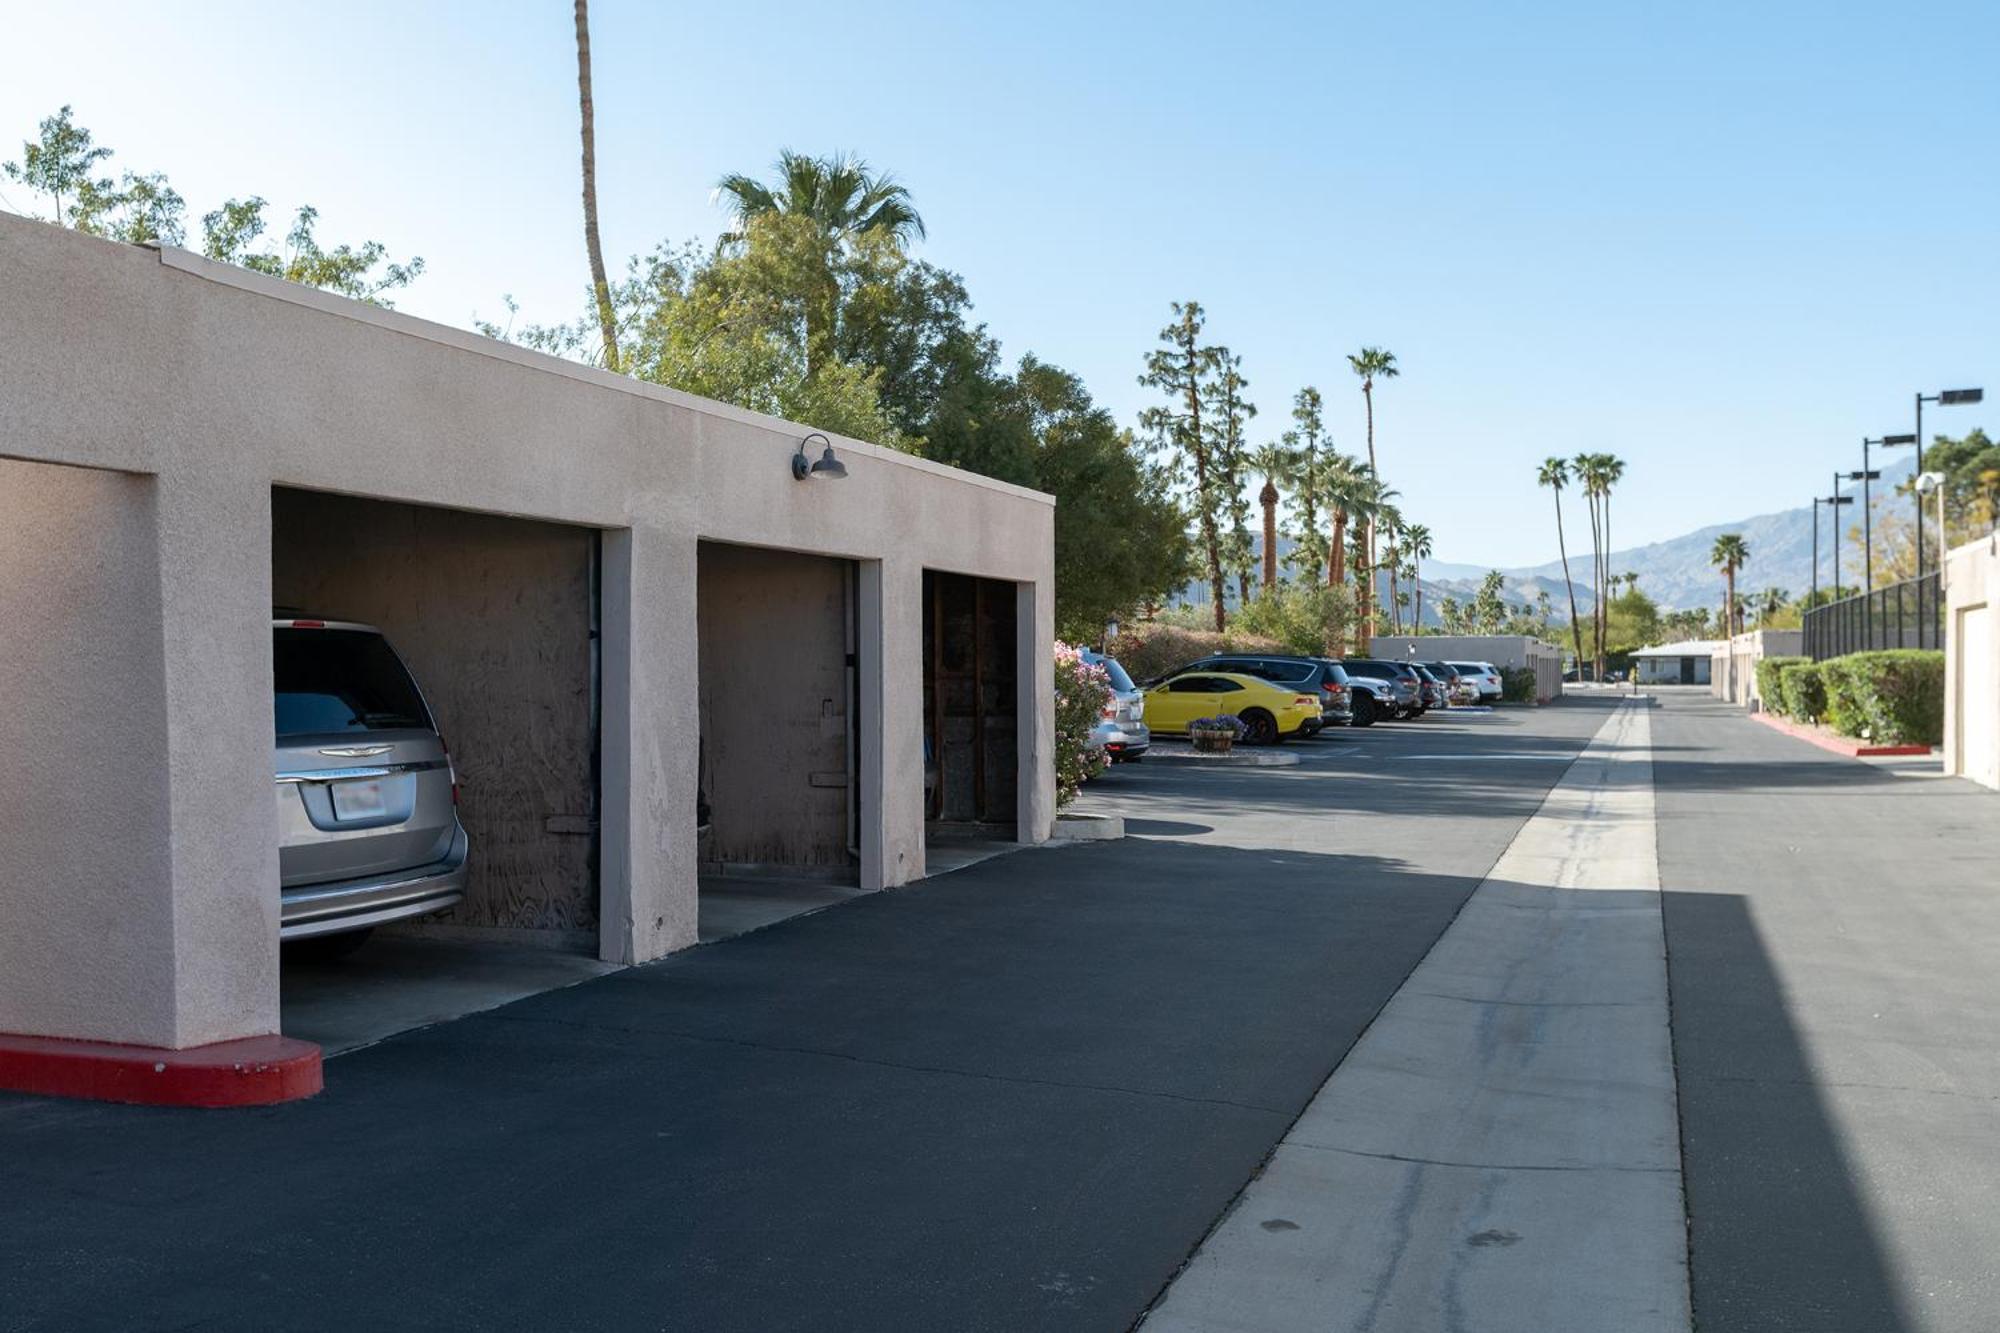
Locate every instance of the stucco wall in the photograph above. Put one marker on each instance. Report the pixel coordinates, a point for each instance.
(493, 617)
(774, 707)
(222, 384)
(1733, 668)
(1517, 651)
(1972, 587)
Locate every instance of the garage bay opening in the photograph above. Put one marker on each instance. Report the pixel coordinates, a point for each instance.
(431, 663)
(971, 717)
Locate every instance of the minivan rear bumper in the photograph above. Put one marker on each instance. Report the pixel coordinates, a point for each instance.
(356, 904)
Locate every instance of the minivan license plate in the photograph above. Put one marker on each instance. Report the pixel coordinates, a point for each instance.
(358, 799)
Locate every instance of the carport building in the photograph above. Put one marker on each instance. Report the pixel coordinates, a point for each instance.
(623, 603)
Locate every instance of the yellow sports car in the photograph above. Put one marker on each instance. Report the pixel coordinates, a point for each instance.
(1268, 712)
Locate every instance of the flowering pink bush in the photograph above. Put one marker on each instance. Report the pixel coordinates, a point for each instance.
(1082, 692)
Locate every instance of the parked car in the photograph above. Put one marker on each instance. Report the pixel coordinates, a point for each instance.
(1458, 688)
(1431, 687)
(1272, 711)
(1485, 678)
(1404, 688)
(1314, 674)
(1121, 733)
(368, 828)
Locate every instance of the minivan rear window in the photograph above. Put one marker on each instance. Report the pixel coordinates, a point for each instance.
(1115, 673)
(341, 680)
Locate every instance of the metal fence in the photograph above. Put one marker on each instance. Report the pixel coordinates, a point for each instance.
(1909, 614)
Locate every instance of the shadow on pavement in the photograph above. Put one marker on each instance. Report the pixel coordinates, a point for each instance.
(1780, 1238)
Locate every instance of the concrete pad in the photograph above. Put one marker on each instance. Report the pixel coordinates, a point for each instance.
(732, 905)
(1338, 1241)
(1501, 1149)
(395, 983)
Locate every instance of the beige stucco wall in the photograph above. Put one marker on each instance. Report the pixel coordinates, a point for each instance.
(1732, 673)
(1972, 583)
(219, 384)
(1514, 651)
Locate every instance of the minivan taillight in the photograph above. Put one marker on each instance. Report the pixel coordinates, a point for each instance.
(308, 624)
(450, 768)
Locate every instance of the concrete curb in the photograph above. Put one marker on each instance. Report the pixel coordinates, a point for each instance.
(1235, 758)
(1087, 828)
(252, 1071)
(1838, 744)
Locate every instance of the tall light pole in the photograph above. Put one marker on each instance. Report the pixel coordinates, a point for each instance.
(1813, 600)
(1864, 476)
(1946, 398)
(1833, 503)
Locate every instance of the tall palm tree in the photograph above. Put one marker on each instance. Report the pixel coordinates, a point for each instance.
(1591, 472)
(1729, 554)
(1350, 493)
(1611, 471)
(1417, 546)
(1277, 464)
(844, 200)
(600, 286)
(1370, 364)
(1770, 602)
(1393, 527)
(1554, 474)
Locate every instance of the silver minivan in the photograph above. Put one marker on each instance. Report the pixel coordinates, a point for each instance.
(368, 828)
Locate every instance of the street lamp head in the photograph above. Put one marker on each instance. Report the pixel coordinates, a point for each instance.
(1929, 482)
(1891, 441)
(1961, 396)
(1870, 475)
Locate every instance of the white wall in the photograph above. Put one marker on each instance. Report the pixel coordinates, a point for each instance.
(1972, 662)
(218, 384)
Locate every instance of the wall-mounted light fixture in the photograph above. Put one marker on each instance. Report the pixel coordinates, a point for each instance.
(828, 466)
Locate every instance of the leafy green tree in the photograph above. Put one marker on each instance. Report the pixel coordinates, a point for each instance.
(1181, 369)
(1307, 439)
(1489, 608)
(1729, 554)
(1230, 451)
(844, 206)
(144, 209)
(1632, 621)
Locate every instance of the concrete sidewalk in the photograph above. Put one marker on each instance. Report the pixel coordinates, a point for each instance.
(1500, 1150)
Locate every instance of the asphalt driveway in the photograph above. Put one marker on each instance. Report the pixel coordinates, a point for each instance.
(1016, 1097)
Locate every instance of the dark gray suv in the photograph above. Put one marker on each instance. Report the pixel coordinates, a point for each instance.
(368, 828)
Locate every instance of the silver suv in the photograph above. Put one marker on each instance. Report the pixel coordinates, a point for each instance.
(368, 827)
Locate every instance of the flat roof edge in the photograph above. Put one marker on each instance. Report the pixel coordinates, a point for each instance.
(464, 340)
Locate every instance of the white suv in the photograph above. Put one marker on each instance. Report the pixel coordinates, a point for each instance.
(1484, 675)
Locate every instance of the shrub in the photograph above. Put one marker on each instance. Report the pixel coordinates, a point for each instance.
(1801, 692)
(1768, 689)
(1893, 698)
(1082, 691)
(1517, 685)
(1152, 649)
(1308, 619)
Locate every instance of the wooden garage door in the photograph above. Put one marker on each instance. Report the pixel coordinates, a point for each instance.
(1979, 695)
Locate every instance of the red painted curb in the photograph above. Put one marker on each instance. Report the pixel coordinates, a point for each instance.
(251, 1071)
(1852, 749)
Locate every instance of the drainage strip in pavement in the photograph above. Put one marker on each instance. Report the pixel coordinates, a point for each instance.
(1501, 1148)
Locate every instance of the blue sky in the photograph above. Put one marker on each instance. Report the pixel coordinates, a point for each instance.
(1721, 240)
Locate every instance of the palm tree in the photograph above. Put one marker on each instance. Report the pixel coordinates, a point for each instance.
(1277, 464)
(1555, 475)
(1371, 364)
(600, 285)
(1729, 554)
(1390, 521)
(1611, 469)
(1417, 545)
(843, 200)
(1769, 603)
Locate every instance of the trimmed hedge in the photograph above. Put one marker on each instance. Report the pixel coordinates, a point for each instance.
(1802, 690)
(1892, 698)
(1517, 685)
(1768, 689)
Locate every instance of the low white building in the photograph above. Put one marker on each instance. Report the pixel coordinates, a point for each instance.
(615, 594)
(1517, 652)
(1972, 661)
(1684, 663)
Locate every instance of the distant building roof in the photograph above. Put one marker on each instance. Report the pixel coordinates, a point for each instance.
(1685, 648)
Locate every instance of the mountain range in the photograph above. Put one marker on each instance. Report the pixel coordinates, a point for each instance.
(1675, 573)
